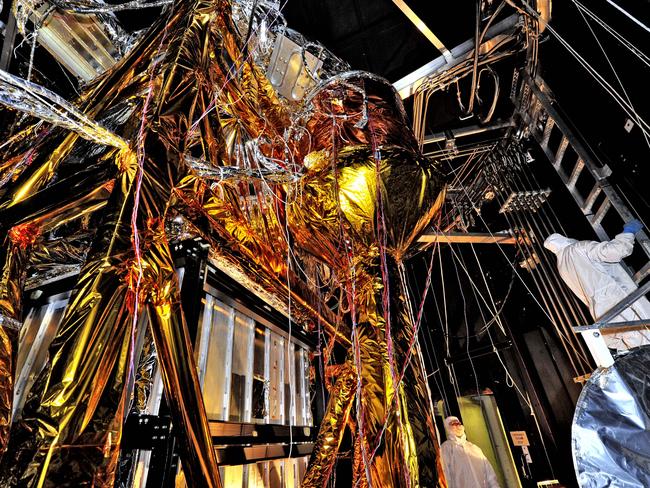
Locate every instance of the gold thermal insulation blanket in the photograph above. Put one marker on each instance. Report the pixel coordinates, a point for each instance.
(11, 281)
(362, 194)
(361, 206)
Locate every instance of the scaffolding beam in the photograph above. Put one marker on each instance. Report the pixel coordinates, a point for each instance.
(422, 27)
(468, 131)
(466, 238)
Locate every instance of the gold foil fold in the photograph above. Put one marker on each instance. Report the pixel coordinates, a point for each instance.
(360, 208)
(365, 194)
(178, 366)
(332, 428)
(11, 284)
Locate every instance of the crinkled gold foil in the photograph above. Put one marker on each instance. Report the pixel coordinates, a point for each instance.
(11, 284)
(356, 203)
(12, 277)
(77, 409)
(8, 341)
(177, 361)
(39, 172)
(365, 195)
(332, 428)
(80, 412)
(245, 262)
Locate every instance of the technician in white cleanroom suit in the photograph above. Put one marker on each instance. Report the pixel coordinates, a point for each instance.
(594, 273)
(464, 463)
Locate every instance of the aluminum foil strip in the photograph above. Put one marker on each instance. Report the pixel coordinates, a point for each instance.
(223, 173)
(99, 6)
(33, 99)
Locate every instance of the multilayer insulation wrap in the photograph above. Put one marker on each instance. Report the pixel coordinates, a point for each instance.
(193, 127)
(611, 425)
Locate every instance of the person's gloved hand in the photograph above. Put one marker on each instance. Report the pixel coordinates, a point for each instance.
(633, 226)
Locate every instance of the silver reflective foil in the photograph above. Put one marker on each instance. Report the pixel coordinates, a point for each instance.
(611, 426)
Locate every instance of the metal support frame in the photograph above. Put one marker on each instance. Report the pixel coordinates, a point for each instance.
(468, 131)
(236, 455)
(195, 265)
(75, 40)
(407, 85)
(8, 44)
(467, 238)
(623, 304)
(233, 433)
(147, 432)
(235, 443)
(605, 320)
(46, 326)
(542, 120)
(191, 258)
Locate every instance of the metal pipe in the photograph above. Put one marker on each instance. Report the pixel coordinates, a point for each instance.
(630, 324)
(407, 85)
(469, 131)
(477, 45)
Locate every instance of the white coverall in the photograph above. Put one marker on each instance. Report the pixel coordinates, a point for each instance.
(465, 464)
(593, 272)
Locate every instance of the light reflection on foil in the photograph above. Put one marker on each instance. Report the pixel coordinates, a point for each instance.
(336, 182)
(611, 425)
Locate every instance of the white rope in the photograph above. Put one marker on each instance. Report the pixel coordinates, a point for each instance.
(627, 44)
(629, 15)
(643, 125)
(618, 79)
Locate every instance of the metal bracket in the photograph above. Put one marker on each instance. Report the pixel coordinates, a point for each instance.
(530, 201)
(146, 432)
(582, 378)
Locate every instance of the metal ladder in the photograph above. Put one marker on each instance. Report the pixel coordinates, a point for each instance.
(544, 123)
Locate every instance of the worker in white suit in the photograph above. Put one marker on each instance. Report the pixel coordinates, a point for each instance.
(593, 272)
(464, 463)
